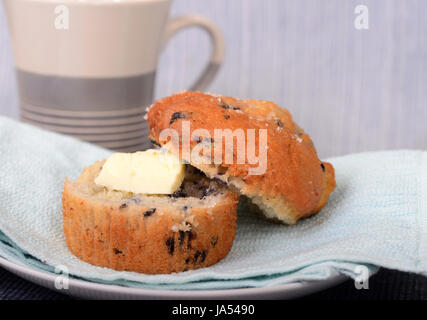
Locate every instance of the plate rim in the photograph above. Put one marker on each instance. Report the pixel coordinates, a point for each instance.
(88, 289)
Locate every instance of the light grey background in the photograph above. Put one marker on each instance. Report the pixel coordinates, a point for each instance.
(350, 90)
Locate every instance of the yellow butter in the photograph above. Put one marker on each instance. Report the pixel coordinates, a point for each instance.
(154, 171)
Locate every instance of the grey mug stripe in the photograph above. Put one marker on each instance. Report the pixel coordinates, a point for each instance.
(140, 137)
(77, 116)
(82, 114)
(85, 94)
(82, 122)
(88, 130)
(112, 137)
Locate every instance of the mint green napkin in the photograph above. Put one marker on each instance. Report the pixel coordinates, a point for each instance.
(377, 217)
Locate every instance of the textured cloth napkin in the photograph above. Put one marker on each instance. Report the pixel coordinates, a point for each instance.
(375, 218)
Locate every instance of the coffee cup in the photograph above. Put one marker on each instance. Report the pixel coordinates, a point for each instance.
(87, 68)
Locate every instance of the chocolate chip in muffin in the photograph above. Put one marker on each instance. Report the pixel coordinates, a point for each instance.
(196, 256)
(155, 143)
(298, 132)
(181, 237)
(214, 241)
(178, 194)
(130, 200)
(149, 212)
(185, 234)
(279, 123)
(226, 116)
(206, 140)
(117, 251)
(228, 107)
(322, 166)
(205, 191)
(176, 116)
(191, 236)
(203, 256)
(170, 243)
(197, 139)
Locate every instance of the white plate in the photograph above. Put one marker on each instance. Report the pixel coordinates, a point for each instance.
(91, 290)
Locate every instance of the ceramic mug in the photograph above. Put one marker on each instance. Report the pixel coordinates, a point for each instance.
(87, 67)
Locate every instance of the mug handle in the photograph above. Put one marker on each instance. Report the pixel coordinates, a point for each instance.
(175, 25)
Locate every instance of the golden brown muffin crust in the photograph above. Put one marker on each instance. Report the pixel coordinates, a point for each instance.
(296, 184)
(125, 235)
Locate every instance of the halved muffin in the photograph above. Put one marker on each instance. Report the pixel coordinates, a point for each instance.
(295, 183)
(190, 229)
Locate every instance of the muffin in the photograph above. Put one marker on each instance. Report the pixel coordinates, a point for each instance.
(192, 228)
(295, 183)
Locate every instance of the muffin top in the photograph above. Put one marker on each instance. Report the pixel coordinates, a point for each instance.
(292, 182)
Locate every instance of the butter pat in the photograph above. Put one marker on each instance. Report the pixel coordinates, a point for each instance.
(154, 171)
